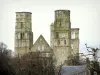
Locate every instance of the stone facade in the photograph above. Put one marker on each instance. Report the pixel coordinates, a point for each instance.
(61, 36)
(63, 46)
(23, 32)
(43, 47)
(64, 39)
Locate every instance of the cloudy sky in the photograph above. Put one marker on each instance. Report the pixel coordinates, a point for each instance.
(85, 14)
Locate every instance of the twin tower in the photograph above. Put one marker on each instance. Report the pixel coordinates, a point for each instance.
(64, 40)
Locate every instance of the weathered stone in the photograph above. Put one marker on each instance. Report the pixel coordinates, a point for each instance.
(75, 41)
(64, 40)
(61, 36)
(42, 46)
(23, 33)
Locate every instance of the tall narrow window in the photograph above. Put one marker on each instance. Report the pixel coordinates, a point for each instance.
(43, 48)
(73, 35)
(64, 41)
(26, 36)
(60, 23)
(21, 35)
(57, 34)
(18, 36)
(38, 48)
(72, 46)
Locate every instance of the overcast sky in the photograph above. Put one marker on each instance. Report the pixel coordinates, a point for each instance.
(85, 14)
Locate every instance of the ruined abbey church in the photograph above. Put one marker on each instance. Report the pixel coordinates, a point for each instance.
(64, 40)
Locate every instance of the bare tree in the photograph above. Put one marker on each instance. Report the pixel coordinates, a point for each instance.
(93, 65)
(5, 64)
(33, 64)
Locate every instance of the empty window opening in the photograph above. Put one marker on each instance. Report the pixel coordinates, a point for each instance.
(64, 41)
(60, 23)
(43, 48)
(73, 35)
(21, 35)
(38, 48)
(57, 34)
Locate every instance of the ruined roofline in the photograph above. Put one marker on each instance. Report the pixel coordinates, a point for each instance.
(23, 12)
(41, 36)
(62, 10)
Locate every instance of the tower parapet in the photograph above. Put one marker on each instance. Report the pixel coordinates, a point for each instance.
(62, 14)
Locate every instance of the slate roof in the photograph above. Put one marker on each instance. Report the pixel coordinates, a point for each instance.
(72, 70)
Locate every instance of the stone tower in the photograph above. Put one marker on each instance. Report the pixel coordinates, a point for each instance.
(23, 32)
(61, 36)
